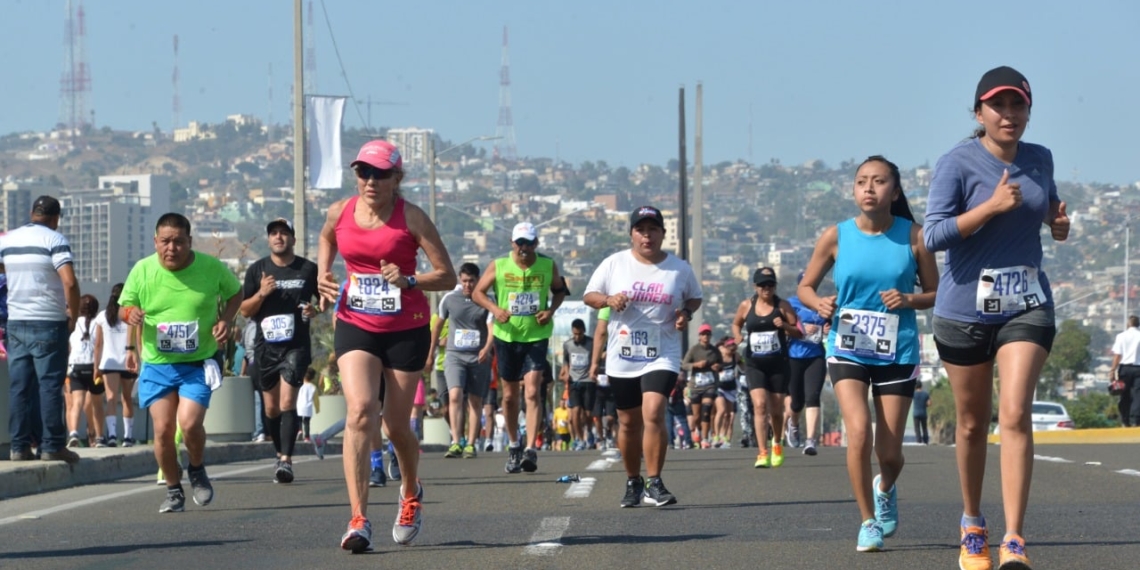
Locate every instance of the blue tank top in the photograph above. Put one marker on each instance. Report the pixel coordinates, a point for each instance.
(864, 266)
(805, 348)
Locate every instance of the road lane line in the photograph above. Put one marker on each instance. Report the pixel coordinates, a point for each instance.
(545, 540)
(1051, 459)
(149, 486)
(581, 489)
(1131, 472)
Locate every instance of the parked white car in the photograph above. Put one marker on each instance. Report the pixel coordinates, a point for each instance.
(1048, 416)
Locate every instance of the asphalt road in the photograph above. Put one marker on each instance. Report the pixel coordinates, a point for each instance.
(1083, 513)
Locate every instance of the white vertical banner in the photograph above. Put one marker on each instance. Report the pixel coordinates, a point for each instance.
(323, 119)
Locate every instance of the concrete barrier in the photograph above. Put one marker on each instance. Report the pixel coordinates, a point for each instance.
(231, 410)
(436, 432)
(1103, 435)
(333, 409)
(5, 386)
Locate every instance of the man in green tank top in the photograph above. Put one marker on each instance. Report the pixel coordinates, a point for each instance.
(528, 289)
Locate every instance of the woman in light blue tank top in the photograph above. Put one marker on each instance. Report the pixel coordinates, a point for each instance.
(873, 343)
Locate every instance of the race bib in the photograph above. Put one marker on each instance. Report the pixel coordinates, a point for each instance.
(177, 337)
(764, 343)
(639, 345)
(466, 339)
(278, 328)
(702, 379)
(372, 295)
(1008, 291)
(603, 380)
(867, 334)
(728, 375)
(579, 361)
(813, 333)
(522, 304)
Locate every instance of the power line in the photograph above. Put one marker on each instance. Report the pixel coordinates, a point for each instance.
(340, 62)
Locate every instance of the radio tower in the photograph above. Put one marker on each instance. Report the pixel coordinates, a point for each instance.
(269, 117)
(176, 104)
(310, 54)
(505, 130)
(75, 83)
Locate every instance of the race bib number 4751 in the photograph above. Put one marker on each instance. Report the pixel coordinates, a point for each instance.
(177, 337)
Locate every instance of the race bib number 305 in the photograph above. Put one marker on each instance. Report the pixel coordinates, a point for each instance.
(867, 334)
(372, 295)
(1008, 291)
(177, 337)
(278, 328)
(639, 345)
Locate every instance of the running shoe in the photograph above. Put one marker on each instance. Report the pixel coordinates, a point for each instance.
(393, 465)
(794, 435)
(454, 451)
(886, 507)
(377, 478)
(284, 472)
(128, 442)
(112, 441)
(530, 460)
(1012, 556)
(175, 501)
(656, 494)
(102, 442)
(410, 518)
(809, 447)
(469, 452)
(974, 553)
(514, 460)
(490, 446)
(870, 537)
(634, 489)
(358, 537)
(726, 445)
(319, 446)
(763, 460)
(705, 444)
(73, 439)
(744, 442)
(200, 486)
(777, 455)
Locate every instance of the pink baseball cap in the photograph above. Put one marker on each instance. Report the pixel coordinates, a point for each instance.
(705, 328)
(379, 154)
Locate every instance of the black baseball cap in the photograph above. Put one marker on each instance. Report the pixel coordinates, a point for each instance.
(46, 206)
(280, 222)
(764, 276)
(646, 213)
(1001, 79)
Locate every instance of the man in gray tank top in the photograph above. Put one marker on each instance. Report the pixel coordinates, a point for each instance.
(576, 356)
(467, 362)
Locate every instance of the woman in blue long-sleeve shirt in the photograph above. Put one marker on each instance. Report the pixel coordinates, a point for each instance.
(989, 197)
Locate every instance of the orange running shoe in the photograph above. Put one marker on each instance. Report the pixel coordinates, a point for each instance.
(1011, 555)
(975, 551)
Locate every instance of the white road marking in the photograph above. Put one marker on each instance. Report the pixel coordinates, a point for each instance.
(581, 489)
(599, 465)
(1132, 472)
(147, 487)
(1051, 459)
(545, 540)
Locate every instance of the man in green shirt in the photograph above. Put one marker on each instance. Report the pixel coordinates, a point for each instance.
(528, 289)
(174, 296)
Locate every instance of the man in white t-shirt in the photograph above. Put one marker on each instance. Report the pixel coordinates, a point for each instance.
(1126, 367)
(43, 305)
(652, 295)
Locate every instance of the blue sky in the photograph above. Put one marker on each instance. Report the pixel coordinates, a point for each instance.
(592, 80)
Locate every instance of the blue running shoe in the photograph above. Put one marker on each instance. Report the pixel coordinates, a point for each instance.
(886, 507)
(870, 536)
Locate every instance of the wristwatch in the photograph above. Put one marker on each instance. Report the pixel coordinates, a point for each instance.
(411, 279)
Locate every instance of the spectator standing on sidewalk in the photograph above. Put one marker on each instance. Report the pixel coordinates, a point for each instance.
(43, 305)
(1126, 368)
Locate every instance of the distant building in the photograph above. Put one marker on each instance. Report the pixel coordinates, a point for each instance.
(194, 132)
(414, 144)
(16, 202)
(112, 226)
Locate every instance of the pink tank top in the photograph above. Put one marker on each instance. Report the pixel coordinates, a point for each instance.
(368, 301)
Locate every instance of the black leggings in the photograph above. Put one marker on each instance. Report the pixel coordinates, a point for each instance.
(807, 377)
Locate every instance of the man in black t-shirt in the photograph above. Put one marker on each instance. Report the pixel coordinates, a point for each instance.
(279, 291)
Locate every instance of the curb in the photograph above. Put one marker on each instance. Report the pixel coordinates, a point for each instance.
(22, 478)
(1078, 436)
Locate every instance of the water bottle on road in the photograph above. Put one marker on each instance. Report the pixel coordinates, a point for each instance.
(569, 478)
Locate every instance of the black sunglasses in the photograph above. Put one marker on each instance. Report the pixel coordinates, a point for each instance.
(526, 242)
(366, 172)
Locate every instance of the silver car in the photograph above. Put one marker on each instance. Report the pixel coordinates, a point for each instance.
(1051, 416)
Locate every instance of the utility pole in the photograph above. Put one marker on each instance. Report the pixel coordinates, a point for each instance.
(698, 253)
(298, 132)
(683, 217)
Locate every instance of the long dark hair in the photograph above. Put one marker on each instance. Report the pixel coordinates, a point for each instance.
(899, 207)
(113, 305)
(88, 308)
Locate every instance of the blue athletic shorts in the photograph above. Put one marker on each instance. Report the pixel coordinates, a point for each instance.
(158, 380)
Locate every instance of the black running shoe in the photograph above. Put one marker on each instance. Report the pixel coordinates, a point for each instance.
(200, 486)
(175, 501)
(530, 460)
(634, 488)
(514, 460)
(284, 472)
(377, 478)
(656, 494)
(393, 466)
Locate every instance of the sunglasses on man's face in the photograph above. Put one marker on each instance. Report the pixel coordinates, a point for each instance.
(365, 172)
(526, 242)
